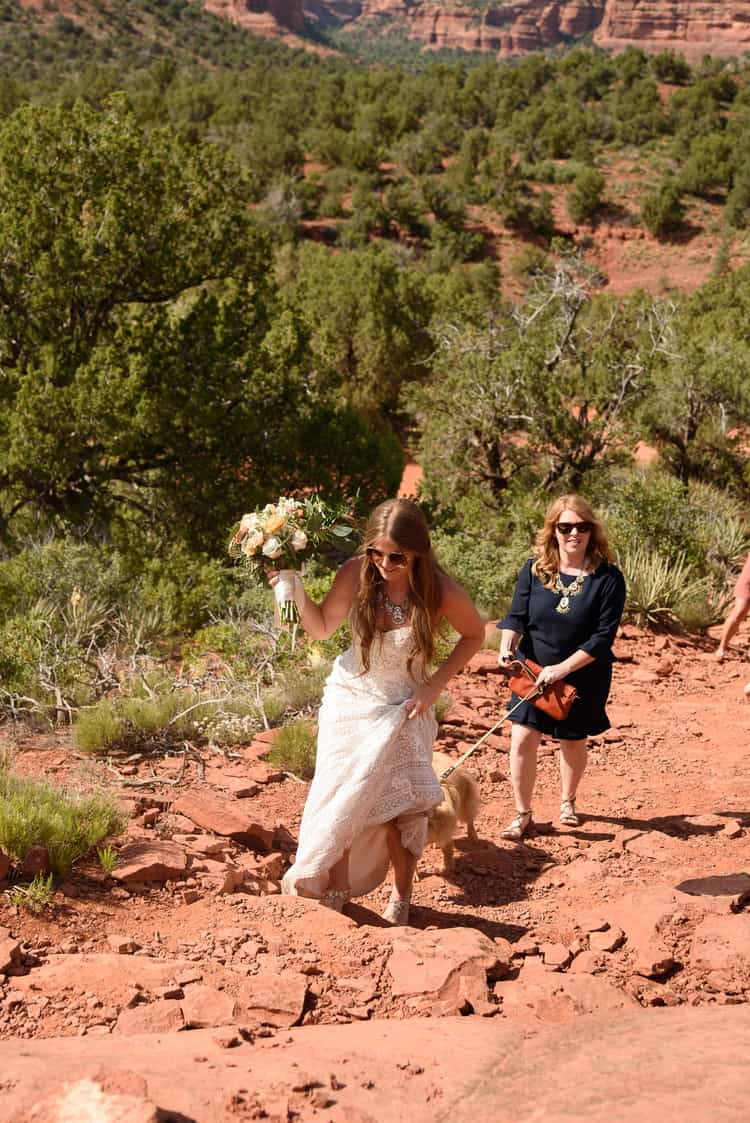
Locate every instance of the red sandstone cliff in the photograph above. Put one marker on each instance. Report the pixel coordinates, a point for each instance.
(263, 17)
(692, 28)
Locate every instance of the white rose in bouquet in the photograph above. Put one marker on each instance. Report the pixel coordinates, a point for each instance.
(299, 540)
(272, 548)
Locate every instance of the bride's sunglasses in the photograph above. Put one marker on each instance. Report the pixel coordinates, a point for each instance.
(379, 557)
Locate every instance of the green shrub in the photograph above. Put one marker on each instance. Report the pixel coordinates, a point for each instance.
(36, 813)
(665, 591)
(100, 729)
(486, 572)
(35, 897)
(737, 205)
(294, 748)
(132, 722)
(662, 210)
(303, 689)
(530, 262)
(704, 524)
(185, 588)
(107, 856)
(585, 197)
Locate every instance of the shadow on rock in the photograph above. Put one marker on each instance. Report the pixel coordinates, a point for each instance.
(683, 826)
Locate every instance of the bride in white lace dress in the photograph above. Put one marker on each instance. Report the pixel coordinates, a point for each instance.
(374, 784)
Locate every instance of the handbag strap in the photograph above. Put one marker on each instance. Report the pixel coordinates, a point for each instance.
(465, 756)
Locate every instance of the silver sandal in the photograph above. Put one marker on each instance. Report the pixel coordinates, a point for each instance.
(335, 899)
(397, 910)
(568, 815)
(518, 827)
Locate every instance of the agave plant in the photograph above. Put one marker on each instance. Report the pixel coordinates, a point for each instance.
(666, 592)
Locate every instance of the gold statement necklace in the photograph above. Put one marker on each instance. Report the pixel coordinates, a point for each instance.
(565, 592)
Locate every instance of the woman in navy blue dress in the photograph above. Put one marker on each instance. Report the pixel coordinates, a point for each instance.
(565, 613)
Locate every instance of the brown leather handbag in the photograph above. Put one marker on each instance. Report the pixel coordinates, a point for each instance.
(554, 700)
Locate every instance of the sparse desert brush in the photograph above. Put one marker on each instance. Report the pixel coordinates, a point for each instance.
(101, 728)
(303, 690)
(35, 897)
(107, 856)
(665, 591)
(37, 813)
(294, 748)
(133, 722)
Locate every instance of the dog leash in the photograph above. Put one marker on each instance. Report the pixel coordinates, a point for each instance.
(527, 698)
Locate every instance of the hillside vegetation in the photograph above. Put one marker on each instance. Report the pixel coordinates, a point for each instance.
(230, 270)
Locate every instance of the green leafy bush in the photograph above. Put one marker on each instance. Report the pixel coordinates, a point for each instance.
(662, 209)
(132, 722)
(36, 813)
(585, 197)
(35, 897)
(294, 748)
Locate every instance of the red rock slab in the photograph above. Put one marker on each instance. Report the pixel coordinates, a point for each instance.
(686, 1063)
(720, 941)
(150, 1017)
(84, 1100)
(204, 1007)
(225, 816)
(426, 962)
(552, 997)
(240, 786)
(642, 915)
(301, 918)
(150, 861)
(10, 950)
(484, 663)
(264, 774)
(276, 1000)
(733, 888)
(108, 974)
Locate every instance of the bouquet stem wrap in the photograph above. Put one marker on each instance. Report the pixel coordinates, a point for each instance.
(287, 591)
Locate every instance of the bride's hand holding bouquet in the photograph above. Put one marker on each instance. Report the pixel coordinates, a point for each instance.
(275, 542)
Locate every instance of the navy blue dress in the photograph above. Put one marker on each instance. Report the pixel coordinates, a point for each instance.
(549, 637)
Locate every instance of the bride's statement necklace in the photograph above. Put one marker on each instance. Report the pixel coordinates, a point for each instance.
(399, 613)
(565, 592)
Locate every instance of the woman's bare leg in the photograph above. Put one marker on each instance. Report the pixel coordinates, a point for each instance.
(573, 756)
(731, 624)
(524, 742)
(403, 861)
(338, 875)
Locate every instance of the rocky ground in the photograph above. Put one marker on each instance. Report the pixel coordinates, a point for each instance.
(524, 949)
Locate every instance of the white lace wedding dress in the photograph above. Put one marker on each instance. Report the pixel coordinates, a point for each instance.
(373, 765)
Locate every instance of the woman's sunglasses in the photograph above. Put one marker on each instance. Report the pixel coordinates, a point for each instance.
(379, 557)
(568, 528)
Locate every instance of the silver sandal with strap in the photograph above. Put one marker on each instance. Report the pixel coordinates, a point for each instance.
(335, 899)
(568, 814)
(397, 910)
(518, 827)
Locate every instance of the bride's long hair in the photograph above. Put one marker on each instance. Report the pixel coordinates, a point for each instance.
(403, 522)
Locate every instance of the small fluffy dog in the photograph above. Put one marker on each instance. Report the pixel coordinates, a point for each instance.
(460, 804)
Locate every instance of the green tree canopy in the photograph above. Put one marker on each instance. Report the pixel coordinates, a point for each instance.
(145, 364)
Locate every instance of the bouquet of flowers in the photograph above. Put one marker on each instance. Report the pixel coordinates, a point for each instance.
(285, 534)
